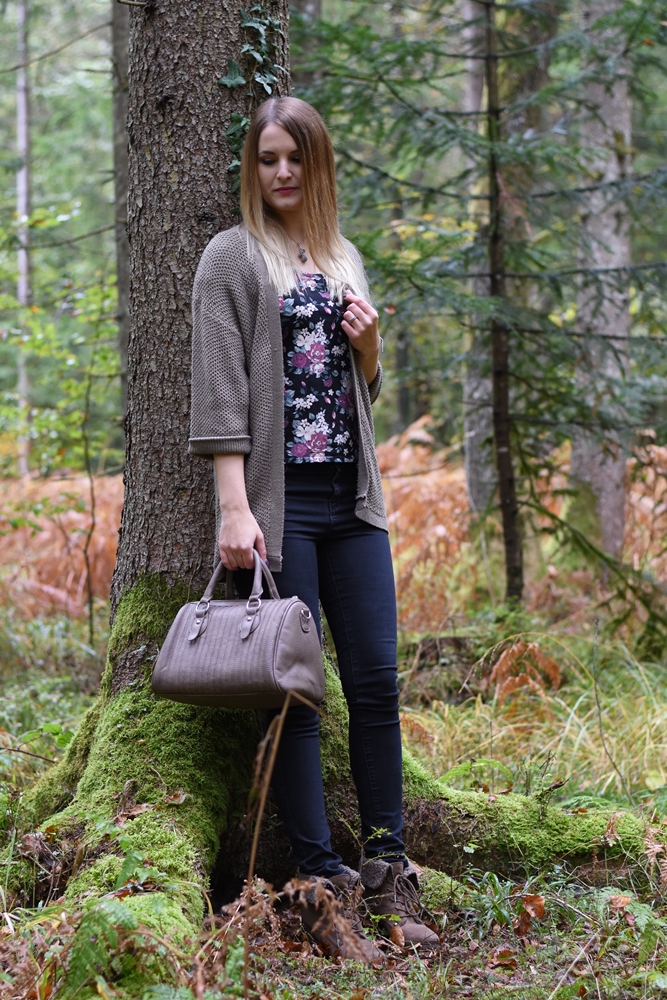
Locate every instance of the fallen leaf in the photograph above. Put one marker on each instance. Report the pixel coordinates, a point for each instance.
(534, 905)
(582, 991)
(176, 798)
(397, 936)
(522, 924)
(503, 956)
(136, 810)
(619, 902)
(491, 798)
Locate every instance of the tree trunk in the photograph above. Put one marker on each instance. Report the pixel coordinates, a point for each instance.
(481, 477)
(23, 211)
(120, 38)
(597, 467)
(500, 338)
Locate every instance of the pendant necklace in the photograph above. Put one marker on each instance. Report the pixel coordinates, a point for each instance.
(303, 256)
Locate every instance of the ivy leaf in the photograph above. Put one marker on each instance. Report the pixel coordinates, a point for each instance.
(234, 78)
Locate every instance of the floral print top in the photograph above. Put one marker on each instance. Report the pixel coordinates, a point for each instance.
(320, 421)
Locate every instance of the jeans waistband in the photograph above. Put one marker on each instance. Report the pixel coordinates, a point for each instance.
(320, 470)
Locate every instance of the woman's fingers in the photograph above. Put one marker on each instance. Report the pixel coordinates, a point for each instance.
(260, 545)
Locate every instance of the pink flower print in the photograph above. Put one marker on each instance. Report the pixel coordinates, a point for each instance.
(299, 449)
(343, 400)
(318, 442)
(328, 383)
(317, 352)
(300, 360)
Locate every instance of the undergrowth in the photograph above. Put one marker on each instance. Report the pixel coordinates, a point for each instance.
(594, 932)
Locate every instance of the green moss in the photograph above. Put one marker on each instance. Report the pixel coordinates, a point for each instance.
(440, 891)
(334, 724)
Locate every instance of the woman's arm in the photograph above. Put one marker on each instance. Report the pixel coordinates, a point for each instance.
(360, 323)
(239, 531)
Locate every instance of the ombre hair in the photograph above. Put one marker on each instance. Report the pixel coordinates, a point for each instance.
(318, 184)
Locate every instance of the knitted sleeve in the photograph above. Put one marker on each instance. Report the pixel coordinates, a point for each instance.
(219, 418)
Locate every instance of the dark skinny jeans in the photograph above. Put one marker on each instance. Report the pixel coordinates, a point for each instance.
(332, 556)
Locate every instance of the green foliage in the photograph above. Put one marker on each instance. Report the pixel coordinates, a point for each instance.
(96, 938)
(259, 71)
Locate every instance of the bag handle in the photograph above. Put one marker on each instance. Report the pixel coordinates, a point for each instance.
(252, 607)
(261, 569)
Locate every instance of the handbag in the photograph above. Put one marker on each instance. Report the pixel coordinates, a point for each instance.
(238, 654)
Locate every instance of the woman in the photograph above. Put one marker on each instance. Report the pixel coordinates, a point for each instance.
(285, 367)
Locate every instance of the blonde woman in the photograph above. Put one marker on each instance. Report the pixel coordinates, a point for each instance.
(285, 368)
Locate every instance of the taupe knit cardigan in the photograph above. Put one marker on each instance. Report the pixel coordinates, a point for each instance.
(238, 383)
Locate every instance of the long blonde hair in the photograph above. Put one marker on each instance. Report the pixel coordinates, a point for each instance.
(318, 183)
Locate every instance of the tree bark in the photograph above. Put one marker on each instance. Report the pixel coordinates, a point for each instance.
(120, 38)
(23, 212)
(500, 339)
(481, 477)
(598, 467)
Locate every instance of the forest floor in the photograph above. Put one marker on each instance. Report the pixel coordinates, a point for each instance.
(553, 934)
(533, 700)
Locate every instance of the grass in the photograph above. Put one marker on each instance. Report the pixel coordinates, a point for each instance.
(554, 735)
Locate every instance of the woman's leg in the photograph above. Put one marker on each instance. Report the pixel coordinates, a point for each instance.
(297, 779)
(358, 596)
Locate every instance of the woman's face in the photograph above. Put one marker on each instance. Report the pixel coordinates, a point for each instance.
(279, 170)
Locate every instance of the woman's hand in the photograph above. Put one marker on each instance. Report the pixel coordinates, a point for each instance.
(239, 531)
(239, 535)
(360, 323)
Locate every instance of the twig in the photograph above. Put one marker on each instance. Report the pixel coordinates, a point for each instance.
(54, 52)
(28, 753)
(70, 239)
(272, 739)
(581, 955)
(599, 708)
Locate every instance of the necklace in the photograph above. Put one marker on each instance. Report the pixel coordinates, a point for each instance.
(303, 256)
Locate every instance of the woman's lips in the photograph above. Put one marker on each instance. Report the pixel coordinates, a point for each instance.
(285, 190)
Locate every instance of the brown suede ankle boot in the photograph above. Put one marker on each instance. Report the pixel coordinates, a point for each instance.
(329, 911)
(392, 892)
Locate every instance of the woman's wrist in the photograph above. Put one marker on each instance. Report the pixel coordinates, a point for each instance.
(378, 350)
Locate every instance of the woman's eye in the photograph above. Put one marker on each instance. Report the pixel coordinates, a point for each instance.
(267, 163)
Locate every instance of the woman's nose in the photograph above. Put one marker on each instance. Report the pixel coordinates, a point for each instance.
(284, 169)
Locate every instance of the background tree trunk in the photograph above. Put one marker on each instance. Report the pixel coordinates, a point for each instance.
(23, 211)
(599, 468)
(120, 39)
(481, 477)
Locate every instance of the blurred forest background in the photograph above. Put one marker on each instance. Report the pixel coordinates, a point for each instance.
(502, 169)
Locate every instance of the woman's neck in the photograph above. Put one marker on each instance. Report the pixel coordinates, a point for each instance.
(293, 225)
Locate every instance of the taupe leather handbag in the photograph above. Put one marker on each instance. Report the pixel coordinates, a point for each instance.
(239, 654)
